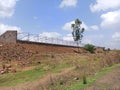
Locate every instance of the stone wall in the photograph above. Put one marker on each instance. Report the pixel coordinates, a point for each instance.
(100, 49)
(9, 37)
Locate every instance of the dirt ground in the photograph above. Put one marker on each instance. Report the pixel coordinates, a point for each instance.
(109, 81)
(21, 57)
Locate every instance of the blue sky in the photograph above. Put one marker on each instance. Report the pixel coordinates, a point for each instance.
(52, 18)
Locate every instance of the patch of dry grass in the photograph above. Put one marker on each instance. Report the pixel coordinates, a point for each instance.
(84, 65)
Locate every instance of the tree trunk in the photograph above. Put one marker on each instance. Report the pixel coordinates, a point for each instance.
(78, 46)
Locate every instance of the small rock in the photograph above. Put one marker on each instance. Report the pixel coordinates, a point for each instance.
(1, 45)
(96, 74)
(2, 72)
(13, 70)
(8, 66)
(76, 78)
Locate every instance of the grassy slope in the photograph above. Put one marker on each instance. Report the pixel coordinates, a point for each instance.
(61, 61)
(90, 80)
(12, 79)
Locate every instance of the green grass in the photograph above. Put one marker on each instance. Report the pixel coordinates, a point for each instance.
(20, 77)
(12, 79)
(90, 80)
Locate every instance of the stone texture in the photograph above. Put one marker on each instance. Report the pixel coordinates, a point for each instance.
(9, 37)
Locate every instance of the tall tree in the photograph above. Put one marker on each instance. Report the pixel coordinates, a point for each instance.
(77, 32)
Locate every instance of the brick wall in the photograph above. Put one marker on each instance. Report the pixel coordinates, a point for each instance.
(9, 37)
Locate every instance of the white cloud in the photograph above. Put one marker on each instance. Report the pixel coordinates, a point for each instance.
(99, 36)
(83, 25)
(111, 20)
(94, 39)
(112, 42)
(50, 34)
(68, 37)
(7, 8)
(47, 37)
(94, 27)
(116, 36)
(67, 26)
(91, 39)
(87, 41)
(103, 5)
(4, 28)
(68, 3)
(115, 40)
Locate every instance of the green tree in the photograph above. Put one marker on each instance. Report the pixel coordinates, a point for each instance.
(77, 32)
(90, 48)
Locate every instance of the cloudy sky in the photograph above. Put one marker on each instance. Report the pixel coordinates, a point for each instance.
(53, 18)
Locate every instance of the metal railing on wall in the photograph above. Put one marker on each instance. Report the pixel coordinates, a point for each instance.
(44, 39)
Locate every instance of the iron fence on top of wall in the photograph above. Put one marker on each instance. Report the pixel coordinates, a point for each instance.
(44, 39)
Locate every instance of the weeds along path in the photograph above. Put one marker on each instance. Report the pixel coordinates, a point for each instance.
(52, 78)
(109, 81)
(43, 82)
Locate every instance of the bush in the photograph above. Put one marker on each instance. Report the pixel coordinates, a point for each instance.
(3, 66)
(108, 49)
(90, 48)
(84, 80)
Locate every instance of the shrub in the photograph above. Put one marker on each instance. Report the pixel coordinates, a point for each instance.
(52, 55)
(3, 66)
(84, 80)
(108, 49)
(90, 48)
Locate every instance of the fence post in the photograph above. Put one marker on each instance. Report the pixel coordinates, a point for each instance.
(28, 37)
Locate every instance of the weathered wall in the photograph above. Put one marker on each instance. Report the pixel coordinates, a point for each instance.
(99, 49)
(9, 37)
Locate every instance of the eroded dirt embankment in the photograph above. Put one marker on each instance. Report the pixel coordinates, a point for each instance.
(10, 51)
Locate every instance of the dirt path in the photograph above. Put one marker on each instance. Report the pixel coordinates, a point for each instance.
(110, 81)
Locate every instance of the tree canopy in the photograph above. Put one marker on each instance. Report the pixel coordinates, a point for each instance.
(77, 32)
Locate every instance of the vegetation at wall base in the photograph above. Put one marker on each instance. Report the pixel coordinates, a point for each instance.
(90, 48)
(91, 79)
